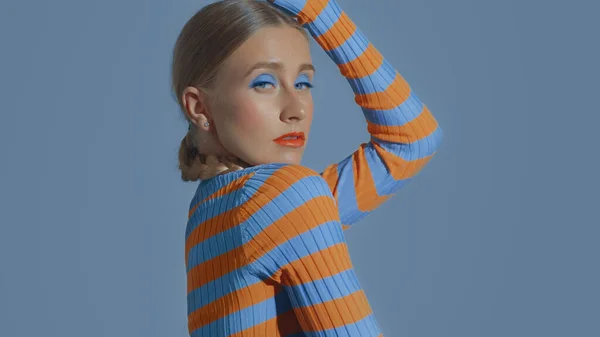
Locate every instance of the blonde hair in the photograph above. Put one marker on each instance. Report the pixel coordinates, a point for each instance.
(203, 45)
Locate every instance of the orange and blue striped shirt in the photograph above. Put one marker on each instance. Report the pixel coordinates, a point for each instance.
(264, 246)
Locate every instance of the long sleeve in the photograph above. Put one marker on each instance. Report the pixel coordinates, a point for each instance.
(404, 134)
(293, 237)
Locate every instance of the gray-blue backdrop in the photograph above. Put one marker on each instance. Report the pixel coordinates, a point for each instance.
(496, 237)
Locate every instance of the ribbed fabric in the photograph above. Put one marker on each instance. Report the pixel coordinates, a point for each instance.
(265, 250)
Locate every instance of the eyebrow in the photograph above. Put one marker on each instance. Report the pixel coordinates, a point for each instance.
(277, 66)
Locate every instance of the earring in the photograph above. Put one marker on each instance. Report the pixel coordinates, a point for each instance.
(206, 124)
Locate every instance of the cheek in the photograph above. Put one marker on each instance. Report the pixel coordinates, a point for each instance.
(249, 117)
(249, 114)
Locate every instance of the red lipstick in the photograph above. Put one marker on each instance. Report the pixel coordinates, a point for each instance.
(292, 139)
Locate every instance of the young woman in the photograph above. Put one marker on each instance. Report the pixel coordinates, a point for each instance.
(265, 250)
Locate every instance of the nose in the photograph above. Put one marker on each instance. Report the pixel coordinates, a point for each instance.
(294, 109)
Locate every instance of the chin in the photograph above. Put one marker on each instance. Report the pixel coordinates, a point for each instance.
(283, 160)
(293, 158)
(289, 158)
(284, 157)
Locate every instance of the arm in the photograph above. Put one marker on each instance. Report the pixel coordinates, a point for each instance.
(404, 134)
(293, 237)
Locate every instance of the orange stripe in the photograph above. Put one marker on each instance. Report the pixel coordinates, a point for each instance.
(230, 303)
(222, 222)
(311, 11)
(278, 182)
(330, 174)
(390, 98)
(418, 128)
(231, 187)
(338, 34)
(399, 168)
(302, 219)
(283, 325)
(225, 263)
(367, 198)
(364, 65)
(318, 265)
(334, 314)
(209, 228)
(214, 268)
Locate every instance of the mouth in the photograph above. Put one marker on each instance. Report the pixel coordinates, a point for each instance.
(292, 139)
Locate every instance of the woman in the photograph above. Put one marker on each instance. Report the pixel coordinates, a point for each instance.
(265, 250)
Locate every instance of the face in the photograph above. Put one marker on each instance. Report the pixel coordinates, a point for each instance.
(261, 94)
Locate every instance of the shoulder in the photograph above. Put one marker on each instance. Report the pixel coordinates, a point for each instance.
(283, 169)
(278, 191)
(289, 179)
(286, 206)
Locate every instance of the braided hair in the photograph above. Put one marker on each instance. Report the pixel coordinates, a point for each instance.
(196, 166)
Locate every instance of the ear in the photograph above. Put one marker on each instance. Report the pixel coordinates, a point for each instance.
(195, 105)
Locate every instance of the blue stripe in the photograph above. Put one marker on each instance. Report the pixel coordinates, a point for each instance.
(211, 186)
(318, 238)
(290, 7)
(246, 318)
(327, 289)
(214, 246)
(217, 206)
(419, 149)
(366, 327)
(295, 196)
(221, 243)
(351, 49)
(325, 20)
(378, 81)
(224, 285)
(406, 112)
(213, 208)
(385, 184)
(347, 203)
(207, 188)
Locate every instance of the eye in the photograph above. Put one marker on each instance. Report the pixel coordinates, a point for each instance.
(263, 81)
(304, 85)
(262, 84)
(303, 82)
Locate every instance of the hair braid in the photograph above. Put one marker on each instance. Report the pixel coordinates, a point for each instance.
(196, 166)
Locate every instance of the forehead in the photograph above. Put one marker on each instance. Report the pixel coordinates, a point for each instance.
(270, 44)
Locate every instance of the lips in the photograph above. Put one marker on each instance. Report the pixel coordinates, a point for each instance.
(292, 139)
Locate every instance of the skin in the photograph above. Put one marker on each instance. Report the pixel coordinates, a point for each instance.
(251, 102)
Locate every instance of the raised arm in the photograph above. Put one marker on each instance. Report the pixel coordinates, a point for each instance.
(404, 134)
(294, 238)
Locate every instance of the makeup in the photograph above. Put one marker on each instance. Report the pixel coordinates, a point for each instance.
(262, 80)
(292, 139)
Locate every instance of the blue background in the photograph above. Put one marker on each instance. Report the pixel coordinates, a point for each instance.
(495, 237)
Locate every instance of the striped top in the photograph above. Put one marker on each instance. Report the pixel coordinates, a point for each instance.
(264, 246)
